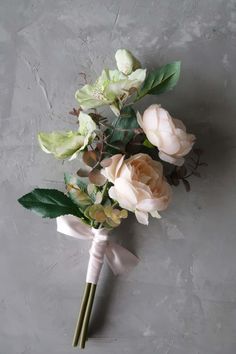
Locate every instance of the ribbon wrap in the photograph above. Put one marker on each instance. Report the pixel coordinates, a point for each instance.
(118, 258)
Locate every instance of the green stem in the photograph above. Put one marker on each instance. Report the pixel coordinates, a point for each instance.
(80, 320)
(104, 190)
(84, 330)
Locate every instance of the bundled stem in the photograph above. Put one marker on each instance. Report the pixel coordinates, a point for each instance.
(84, 329)
(80, 320)
(81, 329)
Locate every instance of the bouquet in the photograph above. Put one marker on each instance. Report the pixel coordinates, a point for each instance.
(130, 161)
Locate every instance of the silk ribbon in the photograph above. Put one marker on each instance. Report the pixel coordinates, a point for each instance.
(118, 258)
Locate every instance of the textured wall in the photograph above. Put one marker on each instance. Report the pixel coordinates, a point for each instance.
(181, 299)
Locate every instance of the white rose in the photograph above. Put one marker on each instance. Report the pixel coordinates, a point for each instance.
(139, 185)
(126, 62)
(167, 133)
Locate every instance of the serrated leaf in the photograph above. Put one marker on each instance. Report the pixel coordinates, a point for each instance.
(160, 80)
(49, 203)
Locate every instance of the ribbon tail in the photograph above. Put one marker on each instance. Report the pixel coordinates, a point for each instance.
(70, 225)
(119, 259)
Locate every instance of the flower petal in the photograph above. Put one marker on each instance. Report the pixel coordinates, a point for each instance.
(148, 205)
(86, 124)
(142, 217)
(61, 144)
(177, 161)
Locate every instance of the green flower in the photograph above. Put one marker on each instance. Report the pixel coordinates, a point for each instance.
(111, 88)
(68, 144)
(86, 124)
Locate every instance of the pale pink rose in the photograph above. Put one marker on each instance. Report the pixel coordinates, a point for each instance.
(139, 185)
(167, 134)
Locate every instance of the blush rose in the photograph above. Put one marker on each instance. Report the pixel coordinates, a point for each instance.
(167, 134)
(138, 185)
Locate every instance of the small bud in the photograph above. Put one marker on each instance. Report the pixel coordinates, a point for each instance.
(126, 62)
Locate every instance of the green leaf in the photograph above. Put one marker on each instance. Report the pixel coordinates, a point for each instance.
(49, 203)
(124, 128)
(160, 80)
(148, 144)
(73, 179)
(77, 191)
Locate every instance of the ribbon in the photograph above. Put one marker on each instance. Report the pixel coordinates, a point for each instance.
(118, 258)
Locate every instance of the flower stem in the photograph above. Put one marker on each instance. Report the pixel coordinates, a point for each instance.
(84, 330)
(104, 191)
(81, 315)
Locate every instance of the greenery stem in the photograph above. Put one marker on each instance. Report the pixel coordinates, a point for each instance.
(84, 330)
(104, 190)
(80, 320)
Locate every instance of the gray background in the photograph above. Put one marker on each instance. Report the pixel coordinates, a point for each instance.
(181, 298)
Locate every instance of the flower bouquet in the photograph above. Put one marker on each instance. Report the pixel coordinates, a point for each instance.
(129, 161)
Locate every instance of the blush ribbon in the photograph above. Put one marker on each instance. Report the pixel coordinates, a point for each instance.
(118, 258)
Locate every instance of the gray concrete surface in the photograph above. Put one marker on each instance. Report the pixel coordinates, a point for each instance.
(181, 299)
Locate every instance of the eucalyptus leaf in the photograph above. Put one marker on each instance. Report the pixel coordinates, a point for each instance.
(95, 177)
(49, 203)
(90, 158)
(160, 80)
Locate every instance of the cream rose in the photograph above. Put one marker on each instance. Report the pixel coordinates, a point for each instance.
(167, 133)
(139, 185)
